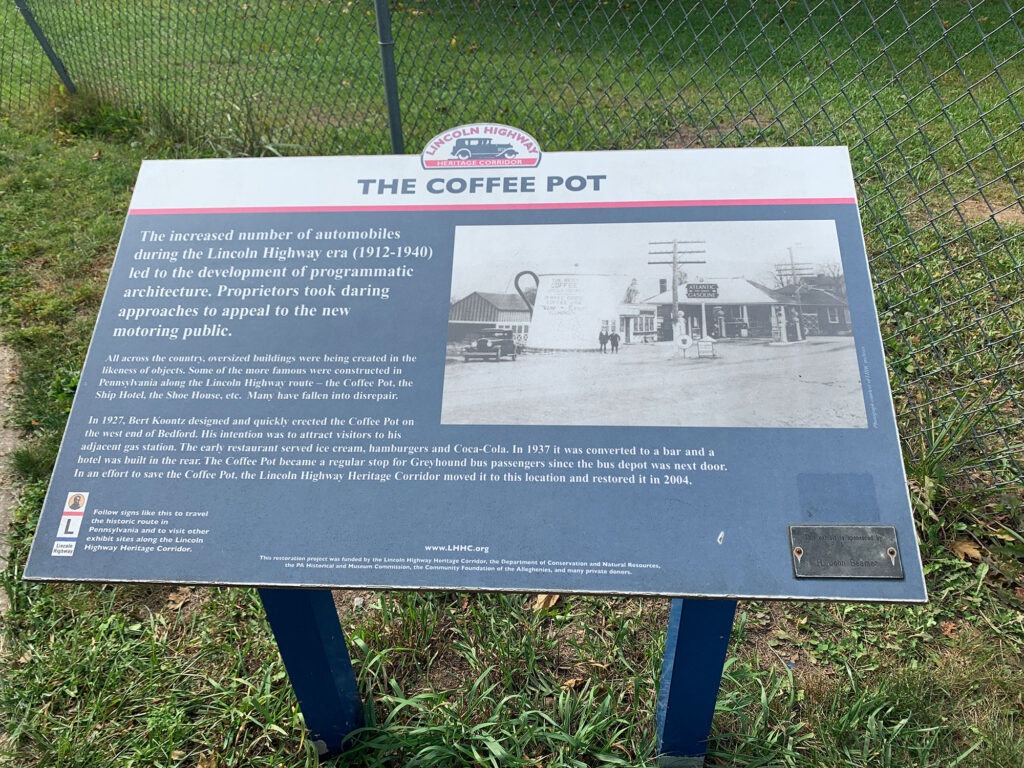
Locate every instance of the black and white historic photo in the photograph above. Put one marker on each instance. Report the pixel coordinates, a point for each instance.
(716, 323)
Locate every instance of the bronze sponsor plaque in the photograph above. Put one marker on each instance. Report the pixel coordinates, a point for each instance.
(845, 552)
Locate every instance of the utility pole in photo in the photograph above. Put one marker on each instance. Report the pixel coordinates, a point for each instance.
(675, 253)
(793, 274)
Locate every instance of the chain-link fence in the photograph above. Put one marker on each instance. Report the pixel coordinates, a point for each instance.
(928, 96)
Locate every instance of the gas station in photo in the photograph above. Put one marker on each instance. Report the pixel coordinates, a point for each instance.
(731, 308)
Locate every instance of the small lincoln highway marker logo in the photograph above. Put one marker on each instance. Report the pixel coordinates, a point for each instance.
(482, 145)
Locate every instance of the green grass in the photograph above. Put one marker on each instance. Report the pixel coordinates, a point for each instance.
(119, 675)
(128, 676)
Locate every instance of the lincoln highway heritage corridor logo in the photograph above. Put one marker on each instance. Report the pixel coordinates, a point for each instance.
(482, 145)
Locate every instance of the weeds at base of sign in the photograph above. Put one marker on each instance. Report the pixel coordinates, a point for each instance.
(982, 530)
(449, 672)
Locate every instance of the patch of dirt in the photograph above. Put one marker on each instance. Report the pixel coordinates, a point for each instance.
(707, 136)
(938, 206)
(8, 442)
(351, 602)
(766, 621)
(977, 210)
(183, 601)
(176, 603)
(447, 671)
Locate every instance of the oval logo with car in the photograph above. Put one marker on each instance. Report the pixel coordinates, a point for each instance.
(482, 145)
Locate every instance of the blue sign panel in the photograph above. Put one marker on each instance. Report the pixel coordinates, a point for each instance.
(371, 372)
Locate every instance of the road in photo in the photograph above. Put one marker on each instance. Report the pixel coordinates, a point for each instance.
(813, 384)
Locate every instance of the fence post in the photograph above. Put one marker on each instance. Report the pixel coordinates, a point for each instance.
(58, 65)
(387, 62)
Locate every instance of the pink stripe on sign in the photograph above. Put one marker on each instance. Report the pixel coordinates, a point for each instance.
(497, 206)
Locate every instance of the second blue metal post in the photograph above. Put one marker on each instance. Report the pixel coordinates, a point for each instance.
(695, 650)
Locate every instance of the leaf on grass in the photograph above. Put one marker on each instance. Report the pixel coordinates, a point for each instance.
(98, 155)
(966, 549)
(178, 598)
(209, 760)
(948, 628)
(573, 683)
(609, 759)
(498, 752)
(25, 658)
(544, 602)
(177, 754)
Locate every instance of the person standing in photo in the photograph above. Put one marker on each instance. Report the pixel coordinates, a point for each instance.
(603, 340)
(613, 337)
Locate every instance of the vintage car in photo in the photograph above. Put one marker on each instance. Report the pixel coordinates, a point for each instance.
(493, 344)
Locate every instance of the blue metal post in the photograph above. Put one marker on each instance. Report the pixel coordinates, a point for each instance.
(698, 638)
(312, 646)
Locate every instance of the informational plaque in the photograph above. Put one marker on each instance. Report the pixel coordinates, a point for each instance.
(469, 370)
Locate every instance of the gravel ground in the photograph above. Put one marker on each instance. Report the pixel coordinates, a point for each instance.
(750, 384)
